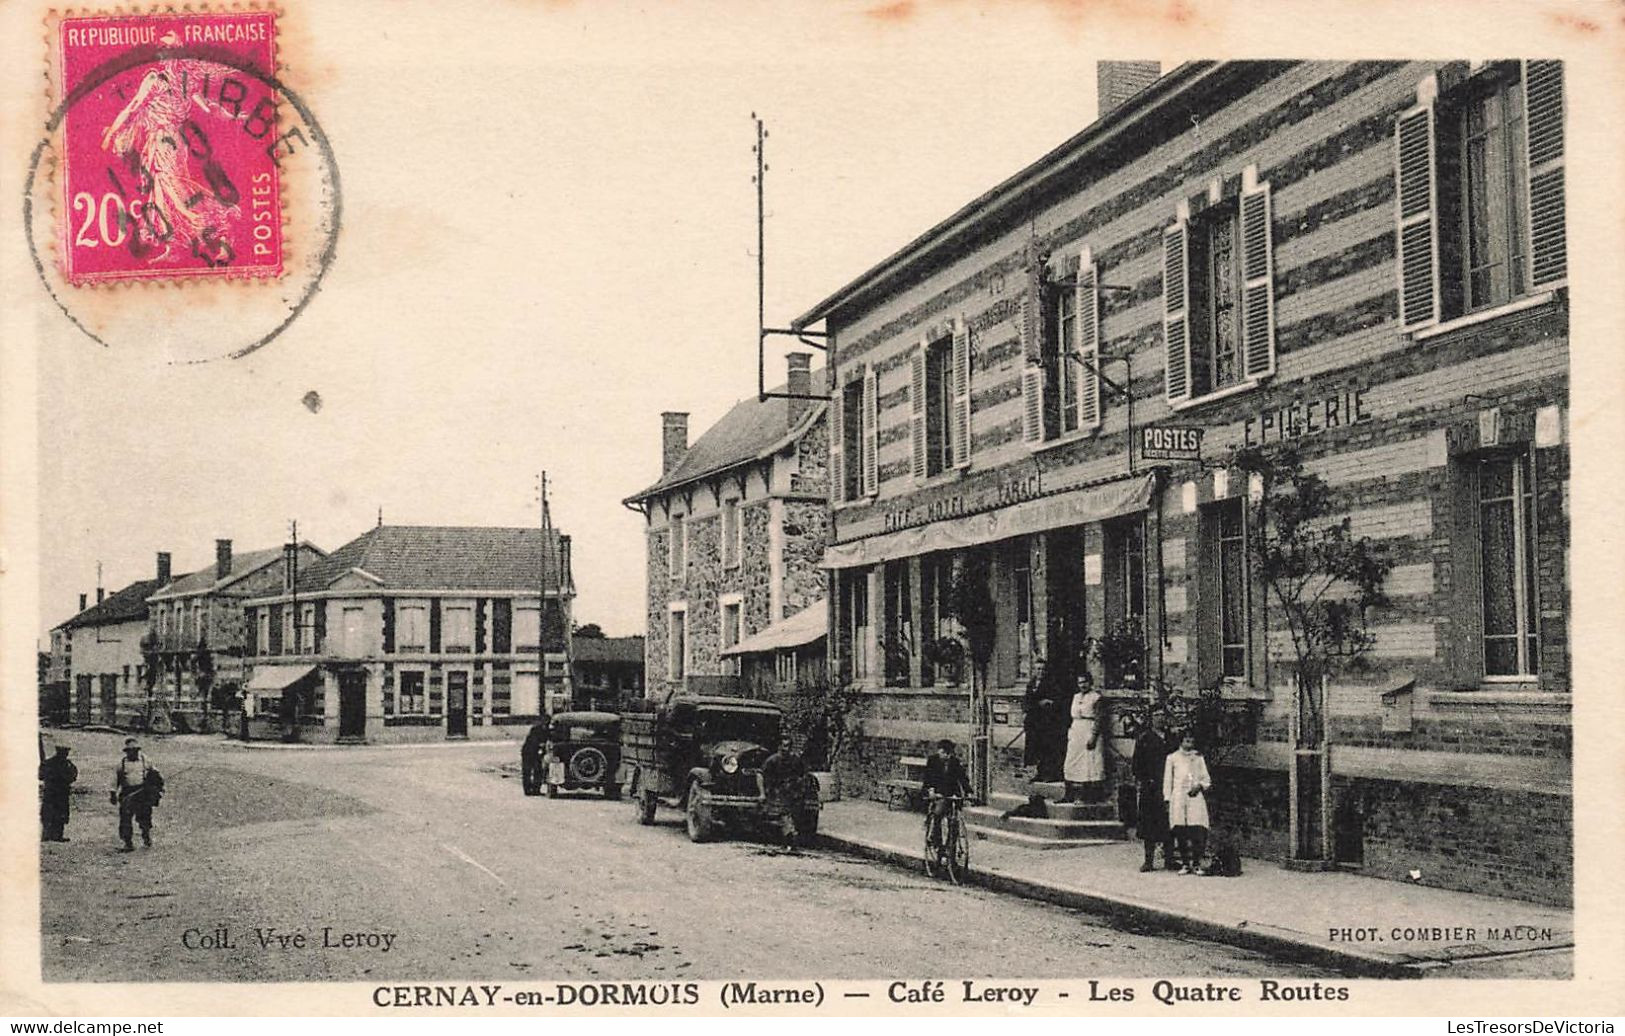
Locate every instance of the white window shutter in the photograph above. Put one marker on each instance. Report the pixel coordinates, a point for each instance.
(1176, 331)
(1415, 180)
(961, 410)
(871, 433)
(1548, 239)
(837, 442)
(1088, 341)
(916, 410)
(1258, 284)
(1032, 404)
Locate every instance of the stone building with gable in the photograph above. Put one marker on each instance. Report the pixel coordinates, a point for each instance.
(413, 633)
(1364, 260)
(735, 531)
(103, 671)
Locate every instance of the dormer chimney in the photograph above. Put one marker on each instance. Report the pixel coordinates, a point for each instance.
(798, 382)
(101, 595)
(673, 440)
(222, 558)
(163, 568)
(84, 601)
(1117, 81)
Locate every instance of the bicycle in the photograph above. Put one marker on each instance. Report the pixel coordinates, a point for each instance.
(947, 843)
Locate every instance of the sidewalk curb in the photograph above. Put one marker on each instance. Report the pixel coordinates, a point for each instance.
(1259, 938)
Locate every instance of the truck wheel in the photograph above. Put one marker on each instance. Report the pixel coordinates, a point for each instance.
(646, 808)
(612, 792)
(699, 814)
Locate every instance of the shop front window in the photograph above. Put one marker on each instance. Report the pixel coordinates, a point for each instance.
(1506, 532)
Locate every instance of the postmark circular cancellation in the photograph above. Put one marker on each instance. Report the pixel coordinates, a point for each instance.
(183, 200)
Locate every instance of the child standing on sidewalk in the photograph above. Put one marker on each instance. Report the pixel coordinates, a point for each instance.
(1185, 782)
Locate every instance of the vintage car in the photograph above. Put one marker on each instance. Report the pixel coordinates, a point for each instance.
(583, 751)
(704, 755)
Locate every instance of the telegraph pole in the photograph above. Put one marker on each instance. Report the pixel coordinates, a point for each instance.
(541, 602)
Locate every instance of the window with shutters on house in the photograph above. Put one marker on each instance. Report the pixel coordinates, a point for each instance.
(1480, 196)
(1061, 391)
(854, 442)
(852, 439)
(1219, 296)
(938, 404)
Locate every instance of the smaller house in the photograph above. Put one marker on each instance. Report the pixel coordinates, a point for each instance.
(607, 670)
(784, 654)
(102, 675)
(413, 633)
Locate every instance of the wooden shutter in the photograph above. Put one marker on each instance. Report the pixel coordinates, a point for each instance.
(318, 637)
(1176, 325)
(1416, 178)
(837, 441)
(1088, 341)
(961, 409)
(1032, 404)
(916, 410)
(1257, 284)
(434, 625)
(1548, 241)
(871, 433)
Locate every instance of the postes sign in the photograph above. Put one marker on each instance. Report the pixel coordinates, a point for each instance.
(1171, 442)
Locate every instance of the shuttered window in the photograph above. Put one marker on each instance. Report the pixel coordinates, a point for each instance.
(854, 443)
(916, 411)
(1176, 313)
(1030, 319)
(1086, 343)
(959, 426)
(870, 437)
(1480, 194)
(939, 406)
(837, 448)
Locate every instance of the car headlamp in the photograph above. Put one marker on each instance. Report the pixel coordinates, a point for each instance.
(730, 764)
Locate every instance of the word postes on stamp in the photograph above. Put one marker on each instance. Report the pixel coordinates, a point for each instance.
(170, 163)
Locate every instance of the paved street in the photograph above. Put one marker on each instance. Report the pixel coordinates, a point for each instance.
(430, 863)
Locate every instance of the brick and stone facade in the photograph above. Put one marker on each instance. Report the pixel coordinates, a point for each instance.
(760, 474)
(1413, 390)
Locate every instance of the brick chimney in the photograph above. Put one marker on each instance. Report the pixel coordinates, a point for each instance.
(222, 558)
(101, 595)
(798, 382)
(673, 440)
(564, 560)
(84, 601)
(1117, 81)
(163, 568)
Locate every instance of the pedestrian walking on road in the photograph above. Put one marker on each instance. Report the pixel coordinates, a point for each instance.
(1185, 783)
(137, 787)
(530, 759)
(1085, 765)
(1151, 748)
(56, 776)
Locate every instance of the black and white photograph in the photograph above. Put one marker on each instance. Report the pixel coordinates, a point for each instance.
(883, 507)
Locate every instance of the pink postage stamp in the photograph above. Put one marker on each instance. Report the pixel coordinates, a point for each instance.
(169, 165)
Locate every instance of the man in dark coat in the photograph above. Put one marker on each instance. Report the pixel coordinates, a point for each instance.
(1045, 724)
(787, 784)
(1151, 748)
(56, 776)
(944, 778)
(530, 758)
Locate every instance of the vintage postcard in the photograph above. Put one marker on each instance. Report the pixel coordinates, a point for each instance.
(808, 510)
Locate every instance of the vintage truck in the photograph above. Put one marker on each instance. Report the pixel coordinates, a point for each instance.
(705, 755)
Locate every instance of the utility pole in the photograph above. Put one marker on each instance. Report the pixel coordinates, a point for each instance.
(541, 602)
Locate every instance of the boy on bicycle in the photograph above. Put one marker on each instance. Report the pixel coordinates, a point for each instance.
(945, 777)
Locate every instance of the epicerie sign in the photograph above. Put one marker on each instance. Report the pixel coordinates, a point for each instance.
(1171, 442)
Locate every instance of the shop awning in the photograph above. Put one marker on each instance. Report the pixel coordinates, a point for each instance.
(277, 677)
(800, 629)
(1074, 507)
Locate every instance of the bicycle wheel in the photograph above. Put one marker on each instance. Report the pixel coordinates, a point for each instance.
(933, 861)
(957, 854)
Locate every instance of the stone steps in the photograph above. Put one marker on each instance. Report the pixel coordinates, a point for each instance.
(987, 821)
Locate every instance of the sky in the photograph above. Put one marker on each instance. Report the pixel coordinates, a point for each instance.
(548, 239)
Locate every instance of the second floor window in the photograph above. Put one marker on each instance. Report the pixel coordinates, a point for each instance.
(527, 628)
(678, 548)
(459, 628)
(730, 533)
(307, 628)
(263, 634)
(413, 632)
(1493, 191)
(939, 399)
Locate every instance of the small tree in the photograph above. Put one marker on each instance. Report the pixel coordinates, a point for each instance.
(820, 715)
(1324, 581)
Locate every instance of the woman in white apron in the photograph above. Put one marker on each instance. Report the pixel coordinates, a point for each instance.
(1185, 782)
(1084, 763)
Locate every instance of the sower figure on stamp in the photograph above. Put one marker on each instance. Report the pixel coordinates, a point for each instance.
(136, 789)
(56, 776)
(1151, 748)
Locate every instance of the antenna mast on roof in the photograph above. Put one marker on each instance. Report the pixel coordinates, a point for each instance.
(762, 330)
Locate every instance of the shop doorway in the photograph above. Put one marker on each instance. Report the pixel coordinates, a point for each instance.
(457, 704)
(352, 704)
(1068, 633)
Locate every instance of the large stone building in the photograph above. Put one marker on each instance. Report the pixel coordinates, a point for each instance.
(1366, 260)
(411, 633)
(102, 667)
(736, 531)
(194, 645)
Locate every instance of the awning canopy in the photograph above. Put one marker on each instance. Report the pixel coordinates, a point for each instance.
(802, 628)
(1074, 507)
(277, 677)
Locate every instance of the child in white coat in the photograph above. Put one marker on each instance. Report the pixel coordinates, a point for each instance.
(1185, 782)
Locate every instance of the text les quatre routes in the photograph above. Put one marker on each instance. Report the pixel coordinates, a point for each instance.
(926, 992)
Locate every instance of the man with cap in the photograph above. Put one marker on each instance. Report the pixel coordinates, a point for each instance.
(1152, 746)
(56, 776)
(136, 786)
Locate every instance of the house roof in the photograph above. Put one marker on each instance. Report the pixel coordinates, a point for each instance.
(242, 564)
(128, 605)
(804, 627)
(432, 557)
(1009, 203)
(753, 429)
(625, 650)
